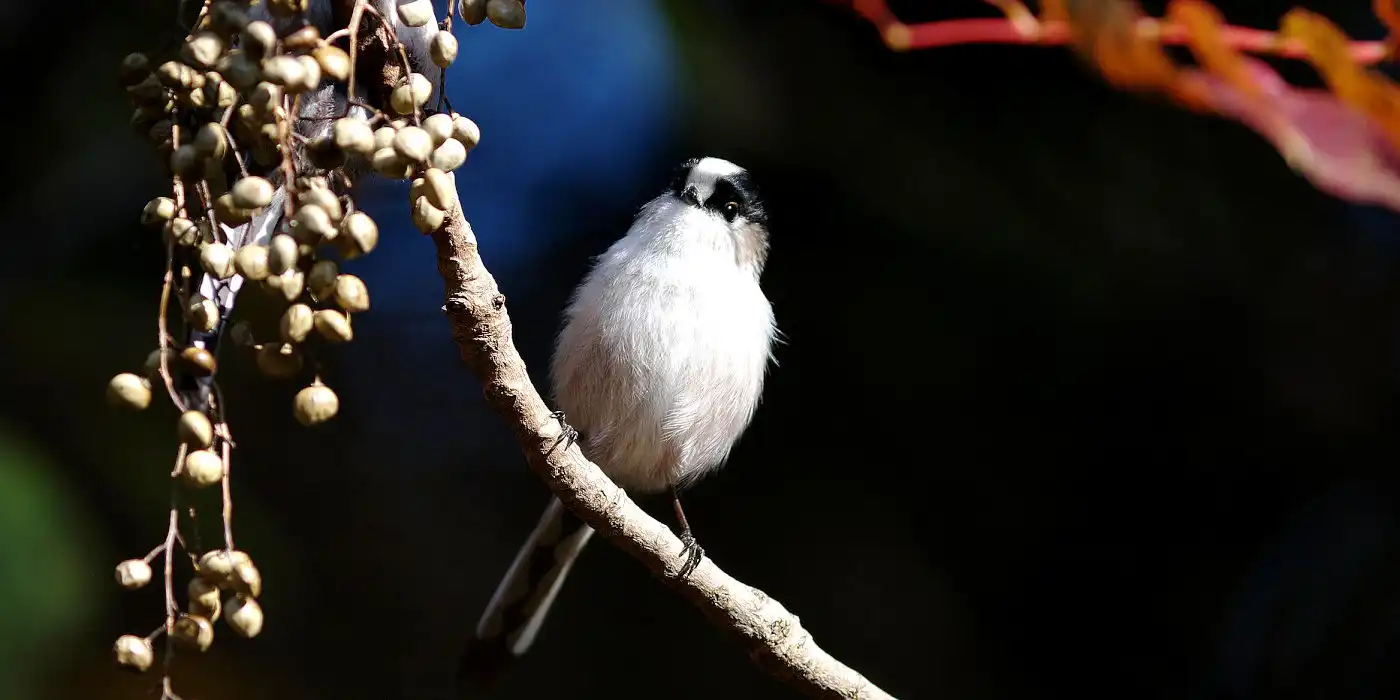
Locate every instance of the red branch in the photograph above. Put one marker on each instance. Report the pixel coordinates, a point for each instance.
(1026, 30)
(1345, 138)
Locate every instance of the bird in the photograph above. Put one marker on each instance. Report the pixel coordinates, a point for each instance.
(657, 372)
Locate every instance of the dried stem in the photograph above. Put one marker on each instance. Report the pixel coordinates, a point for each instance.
(203, 12)
(164, 309)
(207, 201)
(337, 35)
(287, 130)
(222, 429)
(178, 188)
(166, 692)
(172, 532)
(152, 554)
(353, 27)
(232, 142)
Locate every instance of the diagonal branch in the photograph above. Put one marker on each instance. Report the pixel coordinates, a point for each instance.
(773, 636)
(481, 327)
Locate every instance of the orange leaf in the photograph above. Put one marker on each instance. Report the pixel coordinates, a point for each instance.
(1109, 32)
(1340, 149)
(1326, 46)
(1203, 22)
(1389, 14)
(1115, 36)
(1053, 11)
(1366, 91)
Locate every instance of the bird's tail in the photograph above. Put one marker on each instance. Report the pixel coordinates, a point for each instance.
(522, 599)
(258, 230)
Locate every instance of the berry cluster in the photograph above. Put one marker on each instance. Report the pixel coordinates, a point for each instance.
(257, 117)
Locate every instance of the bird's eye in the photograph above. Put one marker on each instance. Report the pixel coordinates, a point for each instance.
(731, 210)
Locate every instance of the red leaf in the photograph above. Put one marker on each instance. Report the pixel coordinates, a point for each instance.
(1339, 149)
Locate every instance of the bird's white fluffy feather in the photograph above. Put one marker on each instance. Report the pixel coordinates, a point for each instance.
(660, 366)
(661, 361)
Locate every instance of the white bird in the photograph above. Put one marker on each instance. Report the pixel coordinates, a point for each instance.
(659, 367)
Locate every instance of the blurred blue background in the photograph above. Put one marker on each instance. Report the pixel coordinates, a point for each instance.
(578, 114)
(1083, 395)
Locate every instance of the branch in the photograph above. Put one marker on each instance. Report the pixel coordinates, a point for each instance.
(481, 327)
(1020, 26)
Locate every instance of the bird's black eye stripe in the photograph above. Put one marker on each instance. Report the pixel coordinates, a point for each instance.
(725, 192)
(736, 189)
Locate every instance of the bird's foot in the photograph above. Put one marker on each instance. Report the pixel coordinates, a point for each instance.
(693, 553)
(567, 434)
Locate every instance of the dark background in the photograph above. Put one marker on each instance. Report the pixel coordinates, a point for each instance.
(1082, 395)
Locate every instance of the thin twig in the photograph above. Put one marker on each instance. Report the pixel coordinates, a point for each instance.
(233, 142)
(207, 201)
(191, 547)
(171, 533)
(203, 12)
(288, 168)
(166, 692)
(1013, 30)
(356, 17)
(228, 493)
(337, 35)
(164, 345)
(152, 554)
(178, 188)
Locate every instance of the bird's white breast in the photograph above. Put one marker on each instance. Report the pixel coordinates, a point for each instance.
(662, 357)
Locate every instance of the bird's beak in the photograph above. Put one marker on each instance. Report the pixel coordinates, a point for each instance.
(691, 196)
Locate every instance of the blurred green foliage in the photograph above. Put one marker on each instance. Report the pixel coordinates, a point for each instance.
(48, 585)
